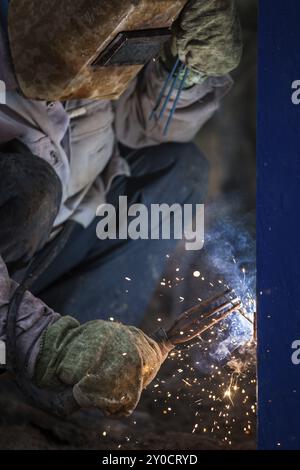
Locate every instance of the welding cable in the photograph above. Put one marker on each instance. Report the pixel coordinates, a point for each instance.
(56, 403)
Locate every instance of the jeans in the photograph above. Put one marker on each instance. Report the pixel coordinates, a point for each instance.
(98, 279)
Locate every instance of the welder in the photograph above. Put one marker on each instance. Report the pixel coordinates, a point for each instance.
(66, 147)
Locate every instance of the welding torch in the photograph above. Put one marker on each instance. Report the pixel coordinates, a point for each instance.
(196, 320)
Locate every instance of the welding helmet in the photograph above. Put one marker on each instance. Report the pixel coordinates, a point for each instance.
(85, 49)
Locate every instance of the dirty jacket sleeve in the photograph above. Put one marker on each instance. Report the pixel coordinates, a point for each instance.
(196, 105)
(33, 318)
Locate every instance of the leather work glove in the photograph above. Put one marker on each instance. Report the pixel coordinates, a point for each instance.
(106, 364)
(207, 38)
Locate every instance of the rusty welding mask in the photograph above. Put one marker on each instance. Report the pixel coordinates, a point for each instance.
(85, 49)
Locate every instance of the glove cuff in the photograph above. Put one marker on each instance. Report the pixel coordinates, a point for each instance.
(51, 351)
(167, 60)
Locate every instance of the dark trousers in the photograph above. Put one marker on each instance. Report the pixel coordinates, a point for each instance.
(93, 279)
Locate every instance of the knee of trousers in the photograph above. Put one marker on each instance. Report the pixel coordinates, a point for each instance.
(186, 178)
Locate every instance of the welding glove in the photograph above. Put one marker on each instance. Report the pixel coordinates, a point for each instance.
(207, 38)
(106, 364)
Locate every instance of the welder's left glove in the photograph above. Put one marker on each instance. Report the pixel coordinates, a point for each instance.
(106, 364)
(207, 38)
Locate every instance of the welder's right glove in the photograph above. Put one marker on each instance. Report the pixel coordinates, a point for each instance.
(107, 364)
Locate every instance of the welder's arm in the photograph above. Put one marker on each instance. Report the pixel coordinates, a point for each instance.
(33, 319)
(105, 364)
(207, 38)
(195, 107)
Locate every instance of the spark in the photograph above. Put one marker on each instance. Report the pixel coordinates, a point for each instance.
(195, 428)
(186, 382)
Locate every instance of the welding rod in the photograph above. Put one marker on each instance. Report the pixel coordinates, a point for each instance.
(164, 89)
(214, 321)
(203, 304)
(241, 311)
(179, 68)
(172, 87)
(215, 317)
(181, 86)
(194, 321)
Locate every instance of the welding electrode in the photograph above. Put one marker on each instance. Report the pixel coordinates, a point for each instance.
(196, 320)
(179, 73)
